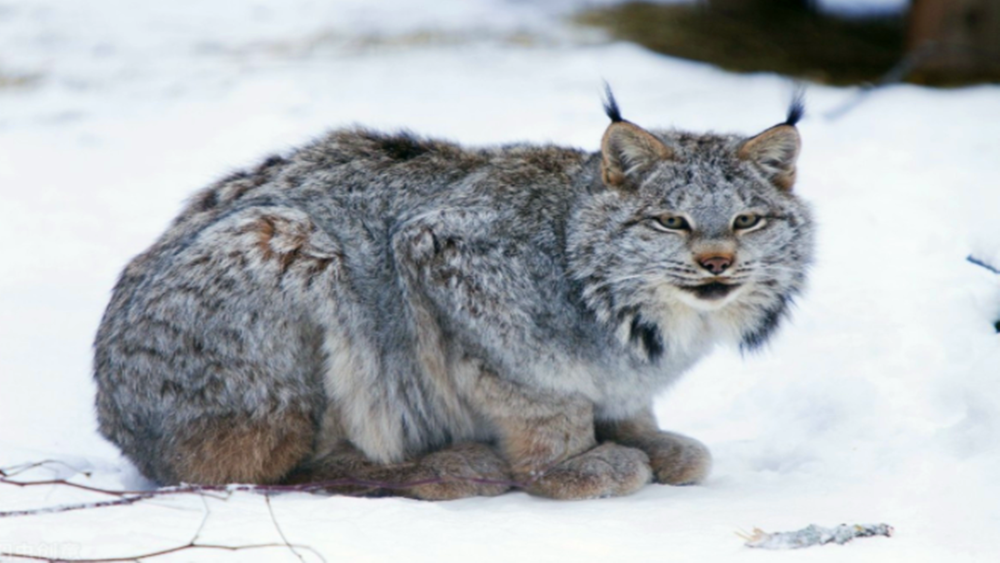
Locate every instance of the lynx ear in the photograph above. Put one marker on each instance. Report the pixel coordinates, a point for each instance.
(628, 149)
(774, 151)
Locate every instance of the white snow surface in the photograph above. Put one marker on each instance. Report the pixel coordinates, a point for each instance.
(878, 402)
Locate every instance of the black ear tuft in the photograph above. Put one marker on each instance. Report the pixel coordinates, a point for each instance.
(797, 108)
(611, 106)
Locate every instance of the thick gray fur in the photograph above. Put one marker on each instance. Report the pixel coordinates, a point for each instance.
(372, 298)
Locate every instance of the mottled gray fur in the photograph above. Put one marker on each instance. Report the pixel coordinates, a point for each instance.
(393, 308)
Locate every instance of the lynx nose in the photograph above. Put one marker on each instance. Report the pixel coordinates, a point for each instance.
(715, 263)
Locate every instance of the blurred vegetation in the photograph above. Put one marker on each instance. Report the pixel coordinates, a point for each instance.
(779, 36)
(17, 80)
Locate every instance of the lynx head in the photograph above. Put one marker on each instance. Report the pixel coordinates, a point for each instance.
(691, 237)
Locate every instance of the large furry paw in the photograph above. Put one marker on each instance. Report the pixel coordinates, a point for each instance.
(609, 470)
(464, 470)
(677, 459)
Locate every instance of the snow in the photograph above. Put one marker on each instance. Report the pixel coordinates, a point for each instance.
(878, 403)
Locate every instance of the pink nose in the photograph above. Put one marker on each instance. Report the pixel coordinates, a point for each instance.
(715, 263)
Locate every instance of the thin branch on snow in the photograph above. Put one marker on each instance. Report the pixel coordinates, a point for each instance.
(895, 75)
(64, 482)
(983, 264)
(898, 73)
(190, 545)
(149, 555)
(127, 497)
(274, 520)
(204, 520)
(18, 469)
(124, 501)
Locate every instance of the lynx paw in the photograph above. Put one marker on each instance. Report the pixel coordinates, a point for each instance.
(608, 470)
(464, 470)
(677, 459)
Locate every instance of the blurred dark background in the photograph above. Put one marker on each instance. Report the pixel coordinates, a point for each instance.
(932, 42)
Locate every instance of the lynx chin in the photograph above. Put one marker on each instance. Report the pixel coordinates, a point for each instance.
(447, 321)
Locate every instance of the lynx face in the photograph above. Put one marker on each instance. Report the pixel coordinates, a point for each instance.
(711, 233)
(695, 233)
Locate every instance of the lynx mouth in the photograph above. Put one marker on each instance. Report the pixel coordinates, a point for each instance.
(712, 291)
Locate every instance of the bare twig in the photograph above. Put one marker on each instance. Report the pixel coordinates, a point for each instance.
(274, 520)
(204, 520)
(899, 72)
(67, 483)
(152, 554)
(895, 75)
(983, 264)
(190, 545)
(17, 469)
(127, 497)
(124, 501)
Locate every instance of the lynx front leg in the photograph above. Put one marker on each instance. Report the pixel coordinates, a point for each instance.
(550, 445)
(492, 292)
(676, 459)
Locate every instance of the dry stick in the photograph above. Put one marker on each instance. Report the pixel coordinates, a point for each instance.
(972, 259)
(125, 501)
(18, 469)
(895, 75)
(192, 545)
(899, 72)
(130, 497)
(204, 520)
(152, 554)
(6, 473)
(301, 487)
(274, 520)
(127, 497)
(64, 482)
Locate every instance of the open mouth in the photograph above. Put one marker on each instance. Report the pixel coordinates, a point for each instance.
(711, 291)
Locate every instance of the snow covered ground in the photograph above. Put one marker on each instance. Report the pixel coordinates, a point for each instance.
(880, 402)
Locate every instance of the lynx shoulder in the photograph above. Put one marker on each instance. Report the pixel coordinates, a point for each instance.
(437, 322)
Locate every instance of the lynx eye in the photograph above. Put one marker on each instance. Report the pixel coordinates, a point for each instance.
(746, 221)
(672, 223)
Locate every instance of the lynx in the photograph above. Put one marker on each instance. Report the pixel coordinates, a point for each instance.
(440, 322)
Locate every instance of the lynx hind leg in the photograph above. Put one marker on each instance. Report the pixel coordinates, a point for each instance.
(237, 450)
(212, 373)
(676, 459)
(463, 470)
